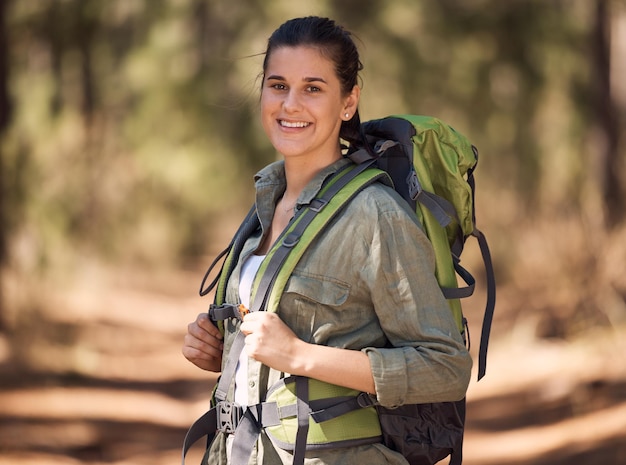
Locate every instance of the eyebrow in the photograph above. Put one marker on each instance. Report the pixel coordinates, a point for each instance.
(276, 77)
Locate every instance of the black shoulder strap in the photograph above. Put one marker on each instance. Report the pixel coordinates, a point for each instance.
(247, 227)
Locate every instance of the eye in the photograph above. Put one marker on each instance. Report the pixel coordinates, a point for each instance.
(313, 89)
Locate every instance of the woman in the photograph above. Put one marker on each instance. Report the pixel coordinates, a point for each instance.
(362, 309)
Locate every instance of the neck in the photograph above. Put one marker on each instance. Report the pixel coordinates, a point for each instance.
(299, 172)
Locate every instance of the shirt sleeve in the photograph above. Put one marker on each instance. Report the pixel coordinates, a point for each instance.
(427, 360)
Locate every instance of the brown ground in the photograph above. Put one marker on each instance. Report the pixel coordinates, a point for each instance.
(98, 378)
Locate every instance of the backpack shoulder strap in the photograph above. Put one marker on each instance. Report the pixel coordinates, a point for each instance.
(282, 258)
(275, 272)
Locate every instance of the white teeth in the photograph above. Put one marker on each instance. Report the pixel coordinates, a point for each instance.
(295, 124)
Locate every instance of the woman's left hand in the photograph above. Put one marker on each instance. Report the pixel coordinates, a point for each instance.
(270, 341)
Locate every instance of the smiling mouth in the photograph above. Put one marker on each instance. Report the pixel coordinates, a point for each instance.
(293, 124)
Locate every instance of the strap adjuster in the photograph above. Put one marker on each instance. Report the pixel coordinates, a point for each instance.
(225, 311)
(291, 240)
(229, 415)
(415, 188)
(317, 204)
(365, 400)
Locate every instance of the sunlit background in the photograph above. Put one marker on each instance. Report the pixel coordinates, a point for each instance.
(128, 141)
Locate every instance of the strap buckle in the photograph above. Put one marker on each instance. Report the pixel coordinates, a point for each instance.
(415, 188)
(365, 400)
(225, 311)
(229, 415)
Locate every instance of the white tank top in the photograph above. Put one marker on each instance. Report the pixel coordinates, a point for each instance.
(248, 272)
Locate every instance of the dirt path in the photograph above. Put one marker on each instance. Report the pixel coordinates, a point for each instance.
(100, 380)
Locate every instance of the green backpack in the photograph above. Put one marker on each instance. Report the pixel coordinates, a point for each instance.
(431, 166)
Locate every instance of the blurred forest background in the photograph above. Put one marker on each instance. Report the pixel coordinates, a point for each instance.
(128, 141)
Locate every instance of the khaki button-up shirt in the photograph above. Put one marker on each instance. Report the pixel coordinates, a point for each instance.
(367, 283)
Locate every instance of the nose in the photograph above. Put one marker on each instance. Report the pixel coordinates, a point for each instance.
(291, 103)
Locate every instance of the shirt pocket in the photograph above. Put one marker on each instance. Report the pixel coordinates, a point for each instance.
(313, 305)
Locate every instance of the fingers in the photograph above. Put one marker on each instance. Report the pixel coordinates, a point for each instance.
(213, 365)
(270, 341)
(260, 321)
(203, 322)
(203, 344)
(265, 332)
(255, 325)
(208, 347)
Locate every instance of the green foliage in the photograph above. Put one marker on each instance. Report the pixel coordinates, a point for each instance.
(135, 132)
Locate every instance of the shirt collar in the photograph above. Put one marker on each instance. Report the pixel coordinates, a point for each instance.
(271, 183)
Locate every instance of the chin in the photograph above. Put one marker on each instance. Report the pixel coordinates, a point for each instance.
(288, 150)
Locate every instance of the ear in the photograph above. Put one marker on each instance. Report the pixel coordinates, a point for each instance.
(351, 103)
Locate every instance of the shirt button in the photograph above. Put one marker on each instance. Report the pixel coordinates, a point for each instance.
(251, 384)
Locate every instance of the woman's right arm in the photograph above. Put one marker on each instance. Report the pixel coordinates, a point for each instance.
(203, 344)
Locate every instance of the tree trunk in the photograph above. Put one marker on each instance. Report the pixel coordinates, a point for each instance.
(5, 118)
(613, 193)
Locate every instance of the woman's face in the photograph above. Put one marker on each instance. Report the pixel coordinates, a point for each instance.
(302, 106)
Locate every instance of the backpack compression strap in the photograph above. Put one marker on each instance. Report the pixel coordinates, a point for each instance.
(444, 212)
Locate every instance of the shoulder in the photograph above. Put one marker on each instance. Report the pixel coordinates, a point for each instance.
(379, 199)
(379, 213)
